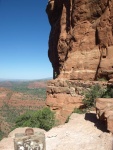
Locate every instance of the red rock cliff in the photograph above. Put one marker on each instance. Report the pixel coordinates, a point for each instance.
(81, 38)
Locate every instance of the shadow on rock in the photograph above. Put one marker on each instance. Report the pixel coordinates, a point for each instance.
(101, 125)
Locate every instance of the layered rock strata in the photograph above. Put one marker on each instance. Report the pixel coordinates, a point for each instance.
(81, 38)
(63, 96)
(80, 49)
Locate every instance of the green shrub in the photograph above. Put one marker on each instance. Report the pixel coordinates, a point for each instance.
(43, 119)
(95, 92)
(108, 93)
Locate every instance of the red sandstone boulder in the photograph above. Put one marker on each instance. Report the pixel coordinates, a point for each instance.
(63, 105)
(104, 110)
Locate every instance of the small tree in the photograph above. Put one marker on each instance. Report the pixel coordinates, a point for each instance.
(90, 96)
(43, 119)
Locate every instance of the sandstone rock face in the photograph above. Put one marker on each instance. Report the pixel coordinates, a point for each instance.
(80, 49)
(81, 38)
(63, 96)
(104, 110)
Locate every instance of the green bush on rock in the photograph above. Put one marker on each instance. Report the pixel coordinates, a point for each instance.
(43, 119)
(94, 92)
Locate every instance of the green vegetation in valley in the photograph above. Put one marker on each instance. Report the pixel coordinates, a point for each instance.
(9, 113)
(43, 118)
(39, 92)
(23, 88)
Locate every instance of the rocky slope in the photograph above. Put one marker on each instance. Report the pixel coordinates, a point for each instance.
(81, 38)
(83, 132)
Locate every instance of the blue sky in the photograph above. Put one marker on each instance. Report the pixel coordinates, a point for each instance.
(24, 33)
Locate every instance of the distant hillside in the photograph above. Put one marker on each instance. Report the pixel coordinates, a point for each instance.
(6, 84)
(37, 84)
(31, 84)
(14, 103)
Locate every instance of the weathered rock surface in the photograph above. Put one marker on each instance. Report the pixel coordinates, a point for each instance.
(8, 143)
(80, 48)
(30, 140)
(82, 132)
(65, 95)
(63, 104)
(81, 38)
(104, 110)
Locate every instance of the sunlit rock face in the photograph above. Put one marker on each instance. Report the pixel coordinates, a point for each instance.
(80, 50)
(81, 39)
